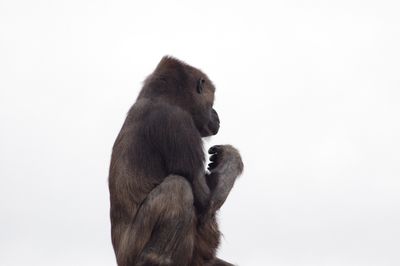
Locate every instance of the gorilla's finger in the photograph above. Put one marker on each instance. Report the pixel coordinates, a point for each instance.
(213, 157)
(214, 149)
(212, 165)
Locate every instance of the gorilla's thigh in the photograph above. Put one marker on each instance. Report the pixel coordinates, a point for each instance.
(165, 223)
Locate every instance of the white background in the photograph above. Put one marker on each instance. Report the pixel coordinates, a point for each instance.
(309, 91)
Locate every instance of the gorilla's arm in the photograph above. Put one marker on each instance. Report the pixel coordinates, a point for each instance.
(225, 166)
(175, 136)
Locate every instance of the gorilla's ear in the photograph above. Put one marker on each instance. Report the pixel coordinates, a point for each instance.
(200, 85)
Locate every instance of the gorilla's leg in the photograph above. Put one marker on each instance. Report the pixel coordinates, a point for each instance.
(163, 230)
(206, 244)
(206, 241)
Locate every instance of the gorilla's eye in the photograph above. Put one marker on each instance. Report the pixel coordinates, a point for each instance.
(200, 85)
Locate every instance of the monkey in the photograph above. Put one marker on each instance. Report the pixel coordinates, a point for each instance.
(163, 202)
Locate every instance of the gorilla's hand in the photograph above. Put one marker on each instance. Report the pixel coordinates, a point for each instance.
(225, 166)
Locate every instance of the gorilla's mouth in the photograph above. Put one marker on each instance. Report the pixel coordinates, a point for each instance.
(211, 129)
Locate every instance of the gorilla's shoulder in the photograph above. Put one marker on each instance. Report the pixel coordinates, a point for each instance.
(157, 110)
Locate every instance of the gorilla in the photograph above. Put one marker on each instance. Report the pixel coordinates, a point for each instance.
(163, 201)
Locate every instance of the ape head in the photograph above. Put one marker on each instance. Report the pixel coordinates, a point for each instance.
(184, 86)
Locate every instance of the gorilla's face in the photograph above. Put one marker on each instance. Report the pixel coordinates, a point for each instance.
(205, 116)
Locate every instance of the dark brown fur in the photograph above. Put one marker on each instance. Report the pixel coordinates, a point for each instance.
(163, 202)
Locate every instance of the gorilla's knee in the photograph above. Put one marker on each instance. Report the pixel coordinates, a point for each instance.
(173, 197)
(178, 187)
